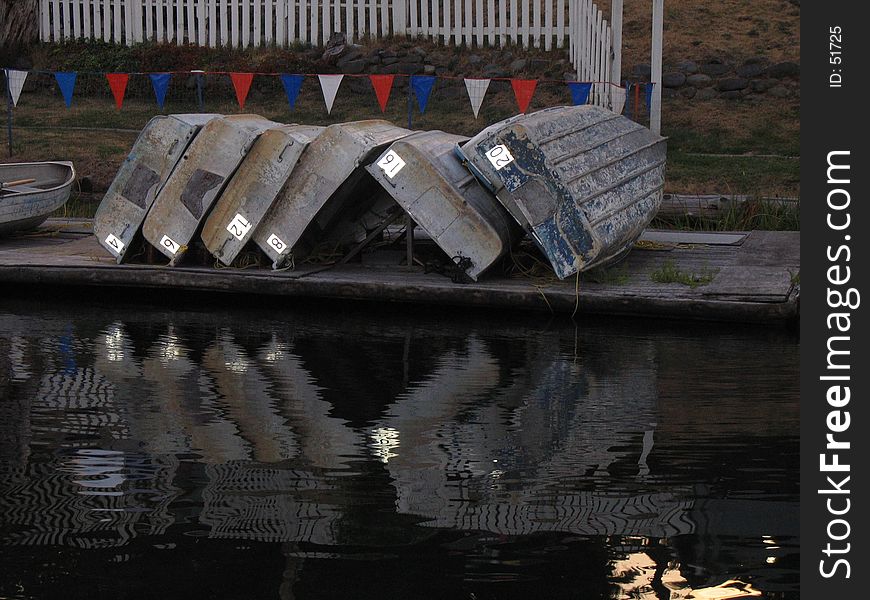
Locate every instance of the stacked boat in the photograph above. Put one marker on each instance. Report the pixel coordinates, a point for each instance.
(581, 182)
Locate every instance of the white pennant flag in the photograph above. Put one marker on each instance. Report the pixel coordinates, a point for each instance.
(15, 79)
(329, 86)
(617, 99)
(476, 91)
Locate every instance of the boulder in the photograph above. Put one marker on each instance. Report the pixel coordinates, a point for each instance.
(732, 84)
(699, 80)
(673, 80)
(707, 93)
(784, 69)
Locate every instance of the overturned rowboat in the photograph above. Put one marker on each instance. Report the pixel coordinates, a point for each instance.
(152, 159)
(425, 178)
(582, 181)
(30, 192)
(327, 178)
(253, 189)
(204, 169)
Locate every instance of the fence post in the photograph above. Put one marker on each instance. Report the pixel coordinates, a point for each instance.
(655, 116)
(616, 45)
(9, 105)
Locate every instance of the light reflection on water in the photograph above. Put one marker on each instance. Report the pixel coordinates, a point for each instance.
(486, 457)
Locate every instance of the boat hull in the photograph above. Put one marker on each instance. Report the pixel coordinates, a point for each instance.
(28, 206)
(582, 181)
(253, 189)
(197, 182)
(425, 178)
(325, 179)
(151, 161)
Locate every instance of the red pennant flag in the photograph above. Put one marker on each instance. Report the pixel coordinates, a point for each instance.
(118, 83)
(524, 89)
(382, 84)
(242, 85)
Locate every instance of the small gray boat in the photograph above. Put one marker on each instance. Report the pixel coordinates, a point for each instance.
(30, 192)
(253, 189)
(582, 181)
(425, 178)
(327, 177)
(186, 198)
(152, 159)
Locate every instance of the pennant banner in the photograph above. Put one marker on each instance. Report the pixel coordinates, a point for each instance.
(160, 83)
(292, 85)
(649, 91)
(329, 86)
(382, 84)
(422, 86)
(242, 85)
(524, 89)
(15, 81)
(118, 84)
(67, 83)
(617, 99)
(579, 92)
(476, 91)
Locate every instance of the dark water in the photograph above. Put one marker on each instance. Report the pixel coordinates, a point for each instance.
(286, 453)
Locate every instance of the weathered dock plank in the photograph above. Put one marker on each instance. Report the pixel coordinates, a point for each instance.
(753, 277)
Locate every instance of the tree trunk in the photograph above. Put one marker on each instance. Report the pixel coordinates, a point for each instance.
(19, 22)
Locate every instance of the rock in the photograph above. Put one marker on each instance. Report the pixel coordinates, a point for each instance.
(641, 71)
(699, 80)
(351, 54)
(389, 60)
(732, 84)
(442, 71)
(439, 59)
(715, 69)
(354, 67)
(495, 71)
(673, 80)
(390, 69)
(475, 59)
(784, 69)
(335, 46)
(669, 93)
(429, 69)
(707, 93)
(537, 65)
(410, 68)
(762, 85)
(688, 92)
(779, 91)
(755, 60)
(687, 66)
(750, 71)
(570, 76)
(518, 66)
(731, 95)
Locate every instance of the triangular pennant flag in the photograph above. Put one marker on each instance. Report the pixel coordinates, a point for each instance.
(524, 89)
(292, 85)
(422, 86)
(382, 84)
(329, 86)
(118, 83)
(649, 92)
(15, 81)
(617, 99)
(67, 83)
(160, 83)
(476, 91)
(579, 92)
(242, 85)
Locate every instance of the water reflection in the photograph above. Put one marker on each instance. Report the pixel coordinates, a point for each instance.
(663, 457)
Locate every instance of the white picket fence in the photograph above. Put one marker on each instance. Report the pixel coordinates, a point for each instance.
(577, 25)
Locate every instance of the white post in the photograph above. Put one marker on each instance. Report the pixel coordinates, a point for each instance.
(616, 47)
(655, 116)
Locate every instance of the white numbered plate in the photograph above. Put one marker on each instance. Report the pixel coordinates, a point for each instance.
(114, 243)
(391, 163)
(239, 226)
(170, 244)
(276, 244)
(499, 156)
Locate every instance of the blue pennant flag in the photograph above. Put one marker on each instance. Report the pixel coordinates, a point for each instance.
(160, 83)
(629, 99)
(579, 92)
(67, 82)
(292, 85)
(422, 86)
(649, 91)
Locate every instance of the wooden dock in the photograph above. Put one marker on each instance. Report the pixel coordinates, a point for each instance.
(753, 277)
